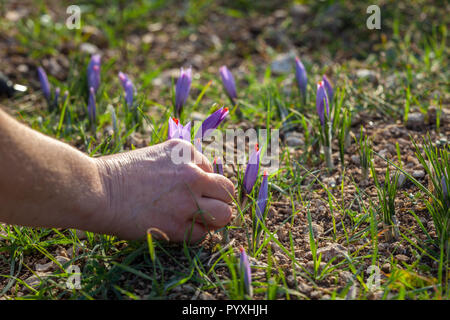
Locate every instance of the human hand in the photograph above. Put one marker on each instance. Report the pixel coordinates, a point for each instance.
(145, 189)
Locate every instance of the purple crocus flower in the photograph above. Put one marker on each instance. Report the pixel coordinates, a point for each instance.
(212, 122)
(328, 87)
(45, 85)
(91, 106)
(300, 75)
(251, 171)
(218, 166)
(177, 131)
(123, 78)
(246, 271)
(228, 83)
(262, 197)
(93, 72)
(129, 93)
(129, 88)
(321, 100)
(182, 89)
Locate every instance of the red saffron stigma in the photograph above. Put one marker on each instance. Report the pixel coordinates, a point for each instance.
(225, 110)
(256, 147)
(241, 249)
(175, 120)
(265, 173)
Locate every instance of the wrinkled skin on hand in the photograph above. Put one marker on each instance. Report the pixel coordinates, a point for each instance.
(145, 189)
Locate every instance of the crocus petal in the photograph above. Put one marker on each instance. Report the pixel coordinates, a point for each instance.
(245, 269)
(129, 93)
(45, 85)
(185, 132)
(251, 171)
(91, 106)
(328, 87)
(212, 122)
(173, 129)
(262, 197)
(123, 78)
(93, 72)
(182, 88)
(321, 100)
(228, 83)
(300, 75)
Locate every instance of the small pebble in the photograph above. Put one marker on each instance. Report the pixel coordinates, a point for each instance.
(401, 257)
(418, 174)
(386, 267)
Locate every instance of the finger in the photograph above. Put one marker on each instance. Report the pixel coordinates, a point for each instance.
(217, 187)
(213, 214)
(200, 160)
(180, 149)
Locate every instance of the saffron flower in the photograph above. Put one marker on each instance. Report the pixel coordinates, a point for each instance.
(328, 87)
(300, 75)
(129, 88)
(93, 72)
(91, 106)
(218, 166)
(45, 85)
(182, 89)
(211, 123)
(262, 197)
(177, 131)
(251, 171)
(321, 101)
(228, 83)
(246, 273)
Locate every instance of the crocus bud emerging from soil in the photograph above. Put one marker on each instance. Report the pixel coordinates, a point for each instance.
(129, 93)
(177, 131)
(228, 83)
(262, 197)
(45, 85)
(182, 89)
(245, 270)
(57, 92)
(328, 87)
(129, 88)
(218, 166)
(321, 101)
(66, 94)
(251, 171)
(93, 72)
(212, 122)
(300, 75)
(91, 105)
